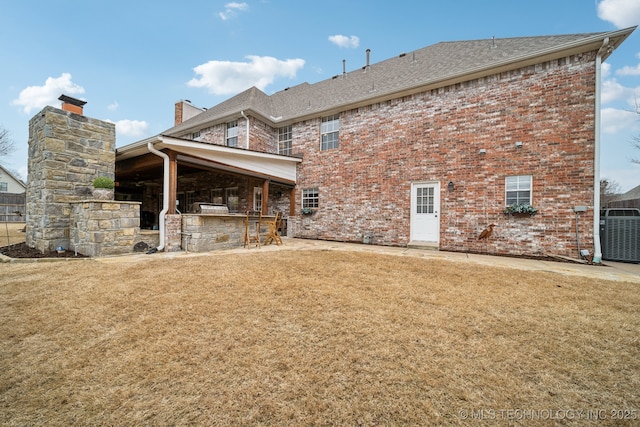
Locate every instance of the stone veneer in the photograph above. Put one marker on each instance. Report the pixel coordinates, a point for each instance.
(204, 233)
(66, 152)
(100, 228)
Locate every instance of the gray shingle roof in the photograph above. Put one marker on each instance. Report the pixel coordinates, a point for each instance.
(632, 194)
(430, 67)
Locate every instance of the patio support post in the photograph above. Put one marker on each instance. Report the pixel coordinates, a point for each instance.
(292, 202)
(173, 181)
(265, 197)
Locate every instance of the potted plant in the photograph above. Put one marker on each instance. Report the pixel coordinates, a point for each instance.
(103, 188)
(521, 209)
(306, 211)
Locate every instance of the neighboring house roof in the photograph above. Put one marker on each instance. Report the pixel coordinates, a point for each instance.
(428, 68)
(632, 194)
(15, 183)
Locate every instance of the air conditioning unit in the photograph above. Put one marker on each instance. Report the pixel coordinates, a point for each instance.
(620, 234)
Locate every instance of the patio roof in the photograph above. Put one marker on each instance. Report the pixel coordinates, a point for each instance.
(277, 168)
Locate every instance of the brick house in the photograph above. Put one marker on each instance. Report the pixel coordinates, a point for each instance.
(427, 148)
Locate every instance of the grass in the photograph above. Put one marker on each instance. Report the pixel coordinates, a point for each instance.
(309, 338)
(11, 233)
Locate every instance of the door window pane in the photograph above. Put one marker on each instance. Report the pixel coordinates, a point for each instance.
(425, 200)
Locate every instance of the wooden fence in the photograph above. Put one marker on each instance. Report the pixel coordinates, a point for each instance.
(13, 207)
(632, 203)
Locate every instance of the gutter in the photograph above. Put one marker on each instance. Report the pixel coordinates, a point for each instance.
(597, 250)
(247, 136)
(165, 194)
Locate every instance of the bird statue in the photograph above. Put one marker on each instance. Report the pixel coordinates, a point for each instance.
(487, 232)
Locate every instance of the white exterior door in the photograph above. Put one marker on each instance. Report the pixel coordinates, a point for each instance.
(425, 212)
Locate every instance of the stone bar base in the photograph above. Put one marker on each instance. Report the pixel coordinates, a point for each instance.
(100, 228)
(204, 233)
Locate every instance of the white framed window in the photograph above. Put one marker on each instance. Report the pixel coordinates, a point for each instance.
(284, 140)
(329, 132)
(231, 195)
(232, 134)
(257, 199)
(4, 187)
(518, 190)
(189, 198)
(216, 196)
(310, 198)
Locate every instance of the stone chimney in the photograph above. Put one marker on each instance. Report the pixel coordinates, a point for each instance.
(72, 105)
(67, 150)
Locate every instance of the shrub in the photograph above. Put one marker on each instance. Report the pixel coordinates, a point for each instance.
(103, 182)
(523, 209)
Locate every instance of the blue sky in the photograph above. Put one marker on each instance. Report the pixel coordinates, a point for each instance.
(132, 60)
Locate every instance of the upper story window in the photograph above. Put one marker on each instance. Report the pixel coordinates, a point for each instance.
(195, 135)
(284, 140)
(232, 134)
(4, 187)
(518, 189)
(329, 130)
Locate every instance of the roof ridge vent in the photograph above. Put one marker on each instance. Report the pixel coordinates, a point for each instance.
(493, 42)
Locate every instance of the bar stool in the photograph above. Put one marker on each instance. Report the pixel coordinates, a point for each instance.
(251, 230)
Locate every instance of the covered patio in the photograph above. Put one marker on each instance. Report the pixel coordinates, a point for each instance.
(194, 196)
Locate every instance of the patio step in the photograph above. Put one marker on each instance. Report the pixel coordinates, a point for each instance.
(430, 246)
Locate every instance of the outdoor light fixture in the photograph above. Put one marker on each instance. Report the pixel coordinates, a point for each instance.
(450, 186)
(518, 144)
(483, 151)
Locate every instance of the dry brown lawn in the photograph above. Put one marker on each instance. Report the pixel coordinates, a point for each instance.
(11, 233)
(312, 338)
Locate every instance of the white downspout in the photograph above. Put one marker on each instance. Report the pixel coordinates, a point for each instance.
(597, 250)
(165, 192)
(247, 135)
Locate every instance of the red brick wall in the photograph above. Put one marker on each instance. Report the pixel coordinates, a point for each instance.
(215, 134)
(263, 137)
(436, 136)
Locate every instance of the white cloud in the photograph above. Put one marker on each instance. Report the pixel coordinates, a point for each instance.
(36, 97)
(113, 106)
(605, 69)
(613, 91)
(629, 71)
(226, 77)
(130, 127)
(615, 120)
(231, 10)
(344, 41)
(621, 13)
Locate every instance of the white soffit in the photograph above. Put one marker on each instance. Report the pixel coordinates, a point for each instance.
(277, 166)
